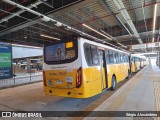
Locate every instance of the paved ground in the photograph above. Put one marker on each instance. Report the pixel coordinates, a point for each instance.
(31, 98)
(141, 93)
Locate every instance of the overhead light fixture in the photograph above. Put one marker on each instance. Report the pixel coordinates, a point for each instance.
(122, 45)
(154, 20)
(46, 36)
(124, 25)
(96, 31)
(34, 5)
(5, 20)
(25, 37)
(67, 27)
(46, 19)
(58, 24)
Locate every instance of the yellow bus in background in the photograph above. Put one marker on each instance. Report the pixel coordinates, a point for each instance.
(137, 62)
(143, 62)
(80, 68)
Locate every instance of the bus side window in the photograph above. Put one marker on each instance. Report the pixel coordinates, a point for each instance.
(107, 56)
(94, 55)
(125, 58)
(111, 55)
(132, 59)
(116, 57)
(100, 54)
(87, 50)
(122, 57)
(128, 58)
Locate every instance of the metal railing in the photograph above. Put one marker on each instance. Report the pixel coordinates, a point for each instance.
(22, 76)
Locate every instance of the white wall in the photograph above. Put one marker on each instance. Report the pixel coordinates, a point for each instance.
(26, 51)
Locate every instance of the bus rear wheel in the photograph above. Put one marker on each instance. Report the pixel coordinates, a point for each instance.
(114, 83)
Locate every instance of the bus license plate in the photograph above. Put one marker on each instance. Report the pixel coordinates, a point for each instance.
(59, 82)
(69, 79)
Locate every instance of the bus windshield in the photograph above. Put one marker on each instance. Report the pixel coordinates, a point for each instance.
(60, 52)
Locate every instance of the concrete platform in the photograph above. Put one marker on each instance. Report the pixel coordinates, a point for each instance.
(140, 93)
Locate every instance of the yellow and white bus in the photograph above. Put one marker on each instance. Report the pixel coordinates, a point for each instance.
(81, 68)
(137, 62)
(143, 62)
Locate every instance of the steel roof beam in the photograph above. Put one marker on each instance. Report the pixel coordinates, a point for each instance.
(144, 18)
(4, 26)
(13, 29)
(57, 23)
(128, 19)
(90, 12)
(75, 17)
(53, 20)
(107, 8)
(19, 12)
(142, 34)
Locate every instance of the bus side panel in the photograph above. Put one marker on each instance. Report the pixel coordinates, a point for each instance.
(118, 72)
(120, 68)
(138, 65)
(92, 83)
(127, 69)
(97, 79)
(133, 69)
(110, 72)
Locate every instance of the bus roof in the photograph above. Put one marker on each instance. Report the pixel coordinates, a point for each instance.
(101, 45)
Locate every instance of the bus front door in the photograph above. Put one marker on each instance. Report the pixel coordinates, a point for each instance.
(103, 68)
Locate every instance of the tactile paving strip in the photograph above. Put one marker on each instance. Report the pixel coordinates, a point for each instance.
(157, 95)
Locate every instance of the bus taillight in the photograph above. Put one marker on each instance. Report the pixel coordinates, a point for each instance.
(44, 78)
(79, 77)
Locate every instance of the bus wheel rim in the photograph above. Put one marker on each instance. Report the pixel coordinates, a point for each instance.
(114, 83)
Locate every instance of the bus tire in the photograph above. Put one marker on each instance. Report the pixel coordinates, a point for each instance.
(114, 83)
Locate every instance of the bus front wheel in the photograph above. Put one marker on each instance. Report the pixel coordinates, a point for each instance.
(114, 83)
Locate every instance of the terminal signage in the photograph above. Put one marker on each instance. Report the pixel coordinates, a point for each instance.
(148, 45)
(5, 61)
